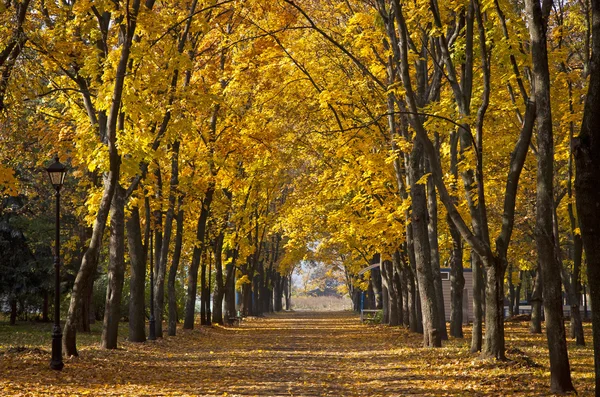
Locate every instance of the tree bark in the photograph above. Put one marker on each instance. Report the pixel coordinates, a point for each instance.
(220, 283)
(163, 247)
(516, 307)
(230, 310)
(190, 302)
(173, 317)
(457, 283)
(137, 317)
(430, 313)
(560, 372)
(109, 126)
(535, 326)
(116, 271)
(511, 292)
(478, 292)
(45, 306)
(13, 311)
(432, 229)
(398, 288)
(587, 179)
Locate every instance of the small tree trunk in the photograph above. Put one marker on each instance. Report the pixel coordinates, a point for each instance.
(288, 292)
(516, 309)
(511, 292)
(535, 326)
(45, 306)
(13, 311)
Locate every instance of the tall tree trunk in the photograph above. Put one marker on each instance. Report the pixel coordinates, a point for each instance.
(406, 307)
(230, 310)
(247, 300)
(576, 321)
(576, 252)
(457, 283)
(116, 271)
(478, 293)
(394, 312)
(587, 180)
(278, 292)
(385, 293)
(430, 313)
(398, 288)
(535, 326)
(190, 301)
(203, 290)
(159, 269)
(432, 229)
(217, 313)
(137, 316)
(163, 247)
(173, 317)
(560, 372)
(377, 290)
(494, 310)
(107, 126)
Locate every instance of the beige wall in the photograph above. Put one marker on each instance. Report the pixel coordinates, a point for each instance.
(467, 294)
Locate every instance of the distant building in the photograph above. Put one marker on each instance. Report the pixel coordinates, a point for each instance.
(467, 294)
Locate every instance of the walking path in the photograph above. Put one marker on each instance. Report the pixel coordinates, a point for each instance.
(287, 354)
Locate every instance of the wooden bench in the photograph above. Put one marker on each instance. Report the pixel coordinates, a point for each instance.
(368, 316)
(236, 319)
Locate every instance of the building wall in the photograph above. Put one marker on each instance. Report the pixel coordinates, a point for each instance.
(467, 294)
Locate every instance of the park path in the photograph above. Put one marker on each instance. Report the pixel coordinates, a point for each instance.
(286, 354)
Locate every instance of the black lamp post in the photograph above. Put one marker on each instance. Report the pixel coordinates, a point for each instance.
(56, 172)
(151, 323)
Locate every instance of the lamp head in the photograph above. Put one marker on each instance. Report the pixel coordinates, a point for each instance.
(57, 171)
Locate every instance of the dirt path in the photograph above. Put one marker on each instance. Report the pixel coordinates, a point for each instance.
(289, 354)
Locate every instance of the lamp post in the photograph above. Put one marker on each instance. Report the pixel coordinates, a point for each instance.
(56, 172)
(151, 323)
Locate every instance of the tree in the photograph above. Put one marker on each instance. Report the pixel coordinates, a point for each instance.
(587, 160)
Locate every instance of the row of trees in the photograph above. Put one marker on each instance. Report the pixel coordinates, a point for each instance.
(248, 136)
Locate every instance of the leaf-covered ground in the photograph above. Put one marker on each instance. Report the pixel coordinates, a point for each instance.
(290, 354)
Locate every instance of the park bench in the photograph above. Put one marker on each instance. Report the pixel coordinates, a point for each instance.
(368, 316)
(237, 319)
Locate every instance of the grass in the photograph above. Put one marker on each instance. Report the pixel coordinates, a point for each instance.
(321, 303)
